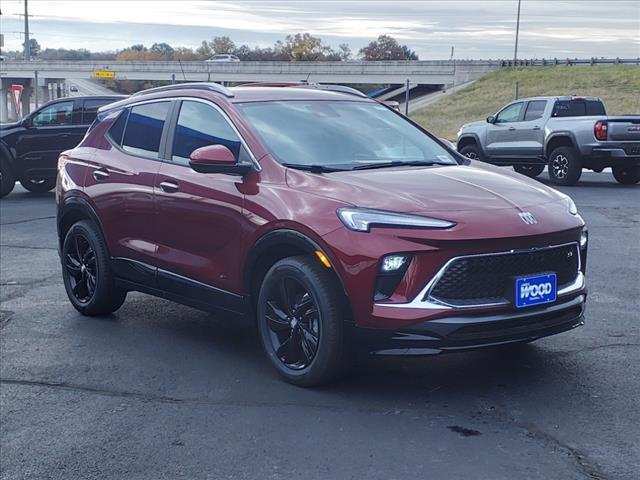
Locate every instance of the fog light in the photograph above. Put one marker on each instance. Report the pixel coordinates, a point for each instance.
(392, 263)
(584, 239)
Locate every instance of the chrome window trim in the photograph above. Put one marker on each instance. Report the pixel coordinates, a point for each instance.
(423, 300)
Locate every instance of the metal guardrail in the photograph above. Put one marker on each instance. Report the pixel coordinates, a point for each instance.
(543, 62)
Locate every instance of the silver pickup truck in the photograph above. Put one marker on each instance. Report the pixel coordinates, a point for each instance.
(565, 133)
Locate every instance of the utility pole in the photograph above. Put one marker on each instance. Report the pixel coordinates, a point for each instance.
(515, 53)
(27, 43)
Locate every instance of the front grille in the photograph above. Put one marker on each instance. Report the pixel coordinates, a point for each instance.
(489, 279)
(632, 149)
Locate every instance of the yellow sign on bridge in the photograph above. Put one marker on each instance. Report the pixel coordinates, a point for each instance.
(104, 74)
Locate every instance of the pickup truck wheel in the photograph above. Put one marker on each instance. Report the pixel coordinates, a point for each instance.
(472, 152)
(627, 175)
(300, 319)
(38, 185)
(7, 179)
(529, 170)
(565, 166)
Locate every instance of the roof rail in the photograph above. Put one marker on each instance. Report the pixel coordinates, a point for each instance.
(317, 86)
(209, 86)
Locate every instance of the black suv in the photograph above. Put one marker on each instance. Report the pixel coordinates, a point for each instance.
(29, 149)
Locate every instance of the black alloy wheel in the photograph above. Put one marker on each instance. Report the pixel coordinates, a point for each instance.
(294, 323)
(472, 152)
(86, 271)
(301, 316)
(82, 269)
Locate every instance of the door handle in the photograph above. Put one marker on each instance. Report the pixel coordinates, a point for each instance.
(537, 127)
(512, 129)
(169, 187)
(101, 174)
(64, 135)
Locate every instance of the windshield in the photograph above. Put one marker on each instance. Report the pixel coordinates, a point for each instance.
(340, 134)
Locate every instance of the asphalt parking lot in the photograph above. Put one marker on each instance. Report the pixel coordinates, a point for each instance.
(161, 391)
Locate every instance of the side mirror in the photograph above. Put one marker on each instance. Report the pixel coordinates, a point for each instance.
(491, 119)
(216, 159)
(27, 122)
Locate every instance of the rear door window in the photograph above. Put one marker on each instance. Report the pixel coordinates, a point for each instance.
(535, 110)
(143, 131)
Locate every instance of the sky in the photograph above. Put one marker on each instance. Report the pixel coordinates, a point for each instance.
(476, 29)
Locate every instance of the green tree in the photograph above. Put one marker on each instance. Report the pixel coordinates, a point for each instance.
(222, 45)
(409, 54)
(163, 49)
(384, 48)
(303, 47)
(34, 47)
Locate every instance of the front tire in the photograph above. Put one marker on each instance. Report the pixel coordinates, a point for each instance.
(301, 314)
(38, 185)
(627, 175)
(472, 152)
(86, 271)
(565, 166)
(531, 171)
(7, 179)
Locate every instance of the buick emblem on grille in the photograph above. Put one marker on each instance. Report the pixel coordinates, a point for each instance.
(528, 218)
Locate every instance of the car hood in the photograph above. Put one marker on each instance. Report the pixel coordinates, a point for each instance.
(479, 123)
(7, 128)
(435, 189)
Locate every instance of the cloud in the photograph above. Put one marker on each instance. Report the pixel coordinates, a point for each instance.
(477, 28)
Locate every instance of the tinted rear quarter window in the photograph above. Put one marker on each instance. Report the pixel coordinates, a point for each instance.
(578, 108)
(144, 129)
(117, 129)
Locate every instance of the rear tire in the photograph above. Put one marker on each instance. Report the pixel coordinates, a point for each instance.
(472, 152)
(38, 185)
(627, 175)
(86, 271)
(565, 166)
(7, 179)
(531, 171)
(301, 315)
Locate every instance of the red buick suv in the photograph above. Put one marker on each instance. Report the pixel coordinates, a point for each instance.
(335, 222)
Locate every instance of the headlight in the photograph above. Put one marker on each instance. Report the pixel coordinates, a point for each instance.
(584, 239)
(571, 206)
(361, 219)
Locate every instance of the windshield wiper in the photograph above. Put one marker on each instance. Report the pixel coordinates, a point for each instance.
(313, 168)
(397, 163)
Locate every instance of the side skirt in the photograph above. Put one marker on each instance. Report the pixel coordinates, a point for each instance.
(138, 276)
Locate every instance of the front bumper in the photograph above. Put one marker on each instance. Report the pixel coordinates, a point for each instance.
(467, 332)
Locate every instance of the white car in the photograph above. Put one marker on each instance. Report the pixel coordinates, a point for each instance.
(223, 57)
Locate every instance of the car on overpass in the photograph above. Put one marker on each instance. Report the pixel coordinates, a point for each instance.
(566, 133)
(29, 148)
(223, 57)
(332, 220)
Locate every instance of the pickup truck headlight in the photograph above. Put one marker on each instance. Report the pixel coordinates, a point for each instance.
(361, 219)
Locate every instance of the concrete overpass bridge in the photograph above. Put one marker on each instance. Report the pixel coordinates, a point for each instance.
(437, 74)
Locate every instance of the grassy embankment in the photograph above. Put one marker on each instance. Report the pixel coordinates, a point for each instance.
(618, 86)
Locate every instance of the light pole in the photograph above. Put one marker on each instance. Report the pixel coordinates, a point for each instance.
(515, 53)
(27, 44)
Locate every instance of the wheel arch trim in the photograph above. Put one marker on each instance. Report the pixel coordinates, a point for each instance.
(560, 135)
(76, 204)
(282, 237)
